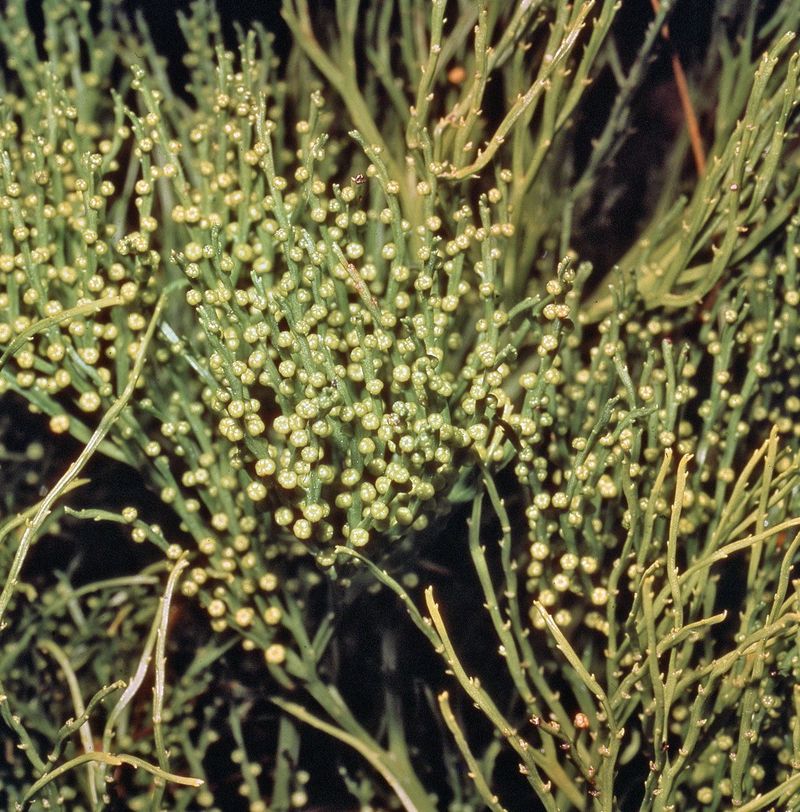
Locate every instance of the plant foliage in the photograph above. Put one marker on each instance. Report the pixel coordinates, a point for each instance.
(331, 301)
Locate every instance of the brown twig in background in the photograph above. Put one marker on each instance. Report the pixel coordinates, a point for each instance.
(692, 126)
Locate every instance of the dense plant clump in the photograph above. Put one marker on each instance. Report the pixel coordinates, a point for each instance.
(331, 302)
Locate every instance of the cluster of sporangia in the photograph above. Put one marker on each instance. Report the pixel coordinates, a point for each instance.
(345, 367)
(337, 368)
(346, 357)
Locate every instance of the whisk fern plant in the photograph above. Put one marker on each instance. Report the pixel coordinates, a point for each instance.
(331, 302)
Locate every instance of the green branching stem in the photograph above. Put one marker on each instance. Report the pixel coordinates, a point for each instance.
(391, 764)
(533, 764)
(77, 466)
(481, 784)
(85, 731)
(410, 794)
(112, 760)
(339, 71)
(159, 681)
(550, 64)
